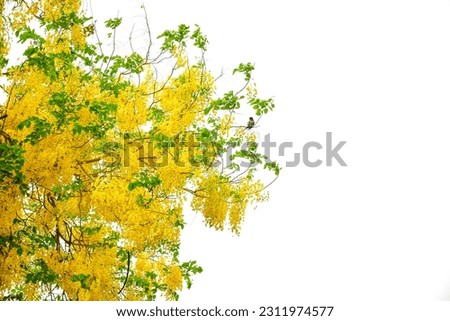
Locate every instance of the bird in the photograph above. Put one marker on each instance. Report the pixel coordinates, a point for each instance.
(251, 123)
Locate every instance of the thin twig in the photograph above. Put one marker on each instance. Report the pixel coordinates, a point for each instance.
(128, 272)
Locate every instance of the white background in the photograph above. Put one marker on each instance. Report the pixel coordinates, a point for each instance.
(377, 75)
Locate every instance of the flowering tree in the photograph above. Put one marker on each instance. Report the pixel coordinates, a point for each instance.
(101, 153)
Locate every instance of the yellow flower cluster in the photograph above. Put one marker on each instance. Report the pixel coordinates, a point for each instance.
(174, 279)
(131, 113)
(182, 101)
(4, 45)
(53, 9)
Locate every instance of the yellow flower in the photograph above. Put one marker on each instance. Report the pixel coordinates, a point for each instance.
(174, 279)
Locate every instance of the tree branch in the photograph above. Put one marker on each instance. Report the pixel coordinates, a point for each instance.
(128, 272)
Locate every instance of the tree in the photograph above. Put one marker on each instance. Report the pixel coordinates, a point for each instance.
(101, 153)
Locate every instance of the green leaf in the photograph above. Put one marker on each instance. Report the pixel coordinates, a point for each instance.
(261, 106)
(245, 69)
(26, 33)
(145, 181)
(41, 129)
(26, 123)
(200, 40)
(82, 278)
(229, 101)
(113, 23)
(172, 37)
(273, 166)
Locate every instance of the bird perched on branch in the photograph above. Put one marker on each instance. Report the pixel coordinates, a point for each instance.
(251, 123)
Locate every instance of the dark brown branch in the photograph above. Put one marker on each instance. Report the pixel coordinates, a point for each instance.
(95, 160)
(6, 136)
(128, 272)
(195, 193)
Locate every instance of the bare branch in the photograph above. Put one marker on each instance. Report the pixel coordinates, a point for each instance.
(128, 272)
